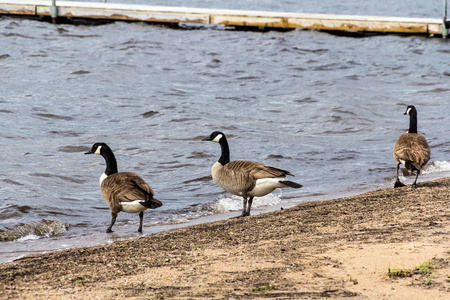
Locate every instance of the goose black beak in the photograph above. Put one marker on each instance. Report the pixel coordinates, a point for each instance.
(89, 152)
(207, 139)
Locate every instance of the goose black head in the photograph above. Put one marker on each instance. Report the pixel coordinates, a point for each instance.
(410, 110)
(98, 148)
(215, 136)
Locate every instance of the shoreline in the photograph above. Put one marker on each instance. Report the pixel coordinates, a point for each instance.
(73, 240)
(346, 247)
(46, 245)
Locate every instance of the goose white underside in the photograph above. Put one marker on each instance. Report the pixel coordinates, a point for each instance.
(266, 186)
(133, 207)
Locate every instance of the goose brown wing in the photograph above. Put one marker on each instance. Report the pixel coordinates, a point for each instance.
(255, 169)
(127, 187)
(413, 148)
(269, 172)
(236, 175)
(239, 177)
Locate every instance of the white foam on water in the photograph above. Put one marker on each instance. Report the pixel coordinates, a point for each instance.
(235, 203)
(37, 230)
(29, 237)
(436, 167)
(433, 170)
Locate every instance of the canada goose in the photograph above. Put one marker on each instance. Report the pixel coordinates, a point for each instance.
(124, 191)
(248, 179)
(411, 149)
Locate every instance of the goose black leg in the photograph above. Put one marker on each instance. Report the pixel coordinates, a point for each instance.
(113, 220)
(415, 181)
(250, 201)
(244, 210)
(141, 218)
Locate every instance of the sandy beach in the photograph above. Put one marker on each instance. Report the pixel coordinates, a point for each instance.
(385, 244)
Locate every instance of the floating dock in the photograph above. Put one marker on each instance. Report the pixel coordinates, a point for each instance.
(229, 18)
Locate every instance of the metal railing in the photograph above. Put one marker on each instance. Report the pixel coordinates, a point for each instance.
(445, 23)
(54, 11)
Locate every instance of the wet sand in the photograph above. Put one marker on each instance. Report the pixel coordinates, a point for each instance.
(391, 244)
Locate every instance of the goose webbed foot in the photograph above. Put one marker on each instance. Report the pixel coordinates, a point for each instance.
(398, 183)
(244, 214)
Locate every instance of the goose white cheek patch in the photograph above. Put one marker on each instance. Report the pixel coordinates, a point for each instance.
(217, 138)
(97, 151)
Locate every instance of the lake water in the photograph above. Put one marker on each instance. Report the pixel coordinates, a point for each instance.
(327, 108)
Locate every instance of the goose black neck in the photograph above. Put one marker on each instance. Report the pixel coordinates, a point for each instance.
(225, 156)
(413, 122)
(110, 159)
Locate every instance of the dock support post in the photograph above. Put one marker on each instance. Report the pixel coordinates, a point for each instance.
(54, 11)
(444, 22)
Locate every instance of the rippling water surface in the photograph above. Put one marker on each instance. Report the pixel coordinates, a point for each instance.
(327, 108)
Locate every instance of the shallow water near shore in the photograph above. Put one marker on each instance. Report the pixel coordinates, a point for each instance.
(327, 108)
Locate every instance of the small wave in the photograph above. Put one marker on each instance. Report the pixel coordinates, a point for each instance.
(149, 114)
(277, 157)
(436, 167)
(197, 155)
(53, 116)
(306, 100)
(248, 78)
(73, 149)
(64, 178)
(199, 179)
(181, 120)
(44, 228)
(28, 237)
(435, 90)
(80, 72)
(316, 51)
(178, 216)
(12, 211)
(68, 133)
(10, 181)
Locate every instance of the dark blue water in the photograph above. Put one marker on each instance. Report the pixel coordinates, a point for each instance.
(327, 108)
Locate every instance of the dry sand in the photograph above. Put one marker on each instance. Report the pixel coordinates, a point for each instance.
(346, 248)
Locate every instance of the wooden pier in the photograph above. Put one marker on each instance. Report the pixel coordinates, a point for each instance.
(233, 18)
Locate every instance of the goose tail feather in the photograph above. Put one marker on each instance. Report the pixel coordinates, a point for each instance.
(152, 203)
(413, 166)
(291, 184)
